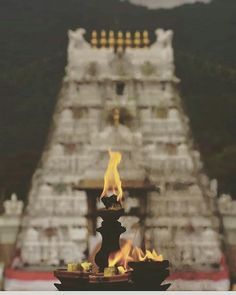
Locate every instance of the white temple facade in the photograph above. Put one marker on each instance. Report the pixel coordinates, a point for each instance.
(126, 100)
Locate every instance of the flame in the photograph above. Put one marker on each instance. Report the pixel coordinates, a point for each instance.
(112, 180)
(121, 258)
(127, 253)
(139, 255)
(152, 256)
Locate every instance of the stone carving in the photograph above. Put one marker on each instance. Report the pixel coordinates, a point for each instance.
(76, 42)
(164, 38)
(214, 187)
(173, 114)
(148, 69)
(226, 205)
(49, 246)
(13, 206)
(117, 136)
(121, 65)
(164, 45)
(191, 250)
(92, 69)
(76, 48)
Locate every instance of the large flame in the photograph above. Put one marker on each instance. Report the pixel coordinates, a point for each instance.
(127, 253)
(112, 182)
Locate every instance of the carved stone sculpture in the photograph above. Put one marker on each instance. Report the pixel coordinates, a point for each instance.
(13, 206)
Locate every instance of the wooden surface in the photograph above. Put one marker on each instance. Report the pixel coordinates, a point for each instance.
(128, 184)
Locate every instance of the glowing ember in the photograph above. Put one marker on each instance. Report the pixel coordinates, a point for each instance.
(128, 254)
(112, 182)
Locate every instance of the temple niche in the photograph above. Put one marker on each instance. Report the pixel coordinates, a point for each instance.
(123, 99)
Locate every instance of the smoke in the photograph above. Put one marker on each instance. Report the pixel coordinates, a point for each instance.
(155, 4)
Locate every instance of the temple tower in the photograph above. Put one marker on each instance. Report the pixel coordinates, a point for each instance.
(120, 93)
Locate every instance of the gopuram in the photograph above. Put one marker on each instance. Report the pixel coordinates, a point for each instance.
(120, 93)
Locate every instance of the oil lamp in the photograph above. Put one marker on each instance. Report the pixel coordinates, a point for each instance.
(123, 268)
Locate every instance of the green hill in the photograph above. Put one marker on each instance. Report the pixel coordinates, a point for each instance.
(33, 56)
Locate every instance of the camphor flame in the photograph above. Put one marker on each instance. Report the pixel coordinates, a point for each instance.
(112, 180)
(127, 254)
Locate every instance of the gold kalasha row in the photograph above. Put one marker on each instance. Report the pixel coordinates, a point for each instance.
(120, 39)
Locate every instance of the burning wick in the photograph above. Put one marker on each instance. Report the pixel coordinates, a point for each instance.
(112, 182)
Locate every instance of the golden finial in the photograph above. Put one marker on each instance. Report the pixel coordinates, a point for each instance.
(111, 39)
(120, 40)
(128, 41)
(137, 39)
(103, 40)
(116, 117)
(94, 39)
(146, 40)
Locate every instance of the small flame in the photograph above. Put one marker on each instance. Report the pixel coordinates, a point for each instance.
(127, 254)
(139, 255)
(112, 180)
